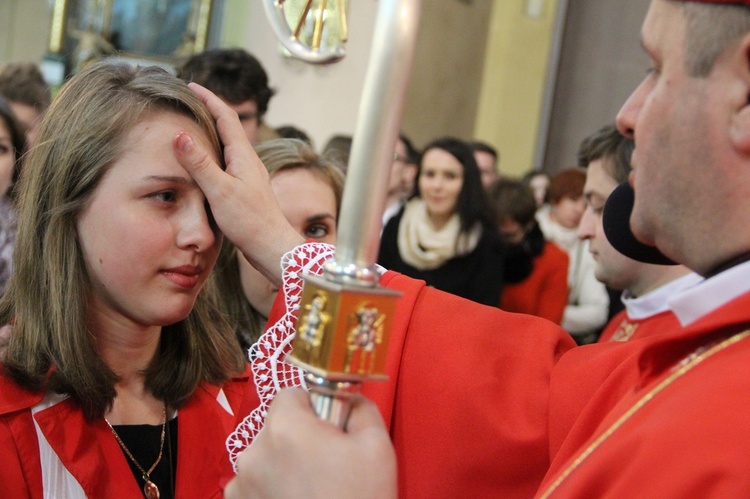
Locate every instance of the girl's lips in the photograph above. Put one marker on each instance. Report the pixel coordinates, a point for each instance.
(182, 280)
(186, 276)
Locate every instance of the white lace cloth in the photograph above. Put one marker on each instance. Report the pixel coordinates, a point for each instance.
(270, 372)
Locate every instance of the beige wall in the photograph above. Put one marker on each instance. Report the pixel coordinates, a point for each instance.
(513, 85)
(446, 80)
(601, 63)
(24, 29)
(442, 100)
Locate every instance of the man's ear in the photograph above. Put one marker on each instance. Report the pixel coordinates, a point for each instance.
(740, 125)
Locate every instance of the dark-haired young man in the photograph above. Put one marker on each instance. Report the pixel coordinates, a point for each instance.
(238, 78)
(646, 287)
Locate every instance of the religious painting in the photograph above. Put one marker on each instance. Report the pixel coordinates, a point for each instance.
(161, 31)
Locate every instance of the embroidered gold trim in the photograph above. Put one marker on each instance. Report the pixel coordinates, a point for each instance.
(694, 361)
(625, 331)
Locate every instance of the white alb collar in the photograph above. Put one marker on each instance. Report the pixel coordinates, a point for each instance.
(697, 301)
(655, 301)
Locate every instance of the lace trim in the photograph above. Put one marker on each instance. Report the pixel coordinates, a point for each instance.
(270, 372)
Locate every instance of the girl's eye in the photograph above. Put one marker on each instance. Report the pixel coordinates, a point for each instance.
(165, 196)
(317, 231)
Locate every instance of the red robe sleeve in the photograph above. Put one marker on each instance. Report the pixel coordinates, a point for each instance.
(466, 400)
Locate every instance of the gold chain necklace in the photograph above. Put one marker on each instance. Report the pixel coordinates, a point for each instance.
(149, 489)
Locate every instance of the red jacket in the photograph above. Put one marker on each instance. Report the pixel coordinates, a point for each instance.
(93, 456)
(545, 292)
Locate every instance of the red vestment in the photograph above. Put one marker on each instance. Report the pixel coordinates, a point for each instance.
(470, 403)
(662, 424)
(623, 328)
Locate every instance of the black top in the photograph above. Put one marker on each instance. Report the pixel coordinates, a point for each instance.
(477, 276)
(143, 442)
(519, 258)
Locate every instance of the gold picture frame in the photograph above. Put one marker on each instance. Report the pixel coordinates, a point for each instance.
(157, 31)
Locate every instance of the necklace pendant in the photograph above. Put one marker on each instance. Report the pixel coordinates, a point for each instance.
(151, 490)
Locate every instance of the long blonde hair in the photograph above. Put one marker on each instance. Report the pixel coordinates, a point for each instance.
(51, 347)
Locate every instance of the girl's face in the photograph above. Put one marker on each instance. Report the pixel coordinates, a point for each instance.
(7, 158)
(440, 183)
(568, 212)
(147, 239)
(309, 204)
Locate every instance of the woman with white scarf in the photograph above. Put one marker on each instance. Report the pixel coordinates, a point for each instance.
(445, 234)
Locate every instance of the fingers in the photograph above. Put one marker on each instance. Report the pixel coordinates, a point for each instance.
(292, 406)
(291, 400)
(290, 409)
(241, 198)
(262, 468)
(234, 490)
(325, 460)
(196, 160)
(238, 152)
(364, 415)
(227, 122)
(239, 156)
(371, 439)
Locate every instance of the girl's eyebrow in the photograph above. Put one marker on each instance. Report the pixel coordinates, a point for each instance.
(319, 217)
(171, 178)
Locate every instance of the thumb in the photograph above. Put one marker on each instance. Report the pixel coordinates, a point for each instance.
(196, 160)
